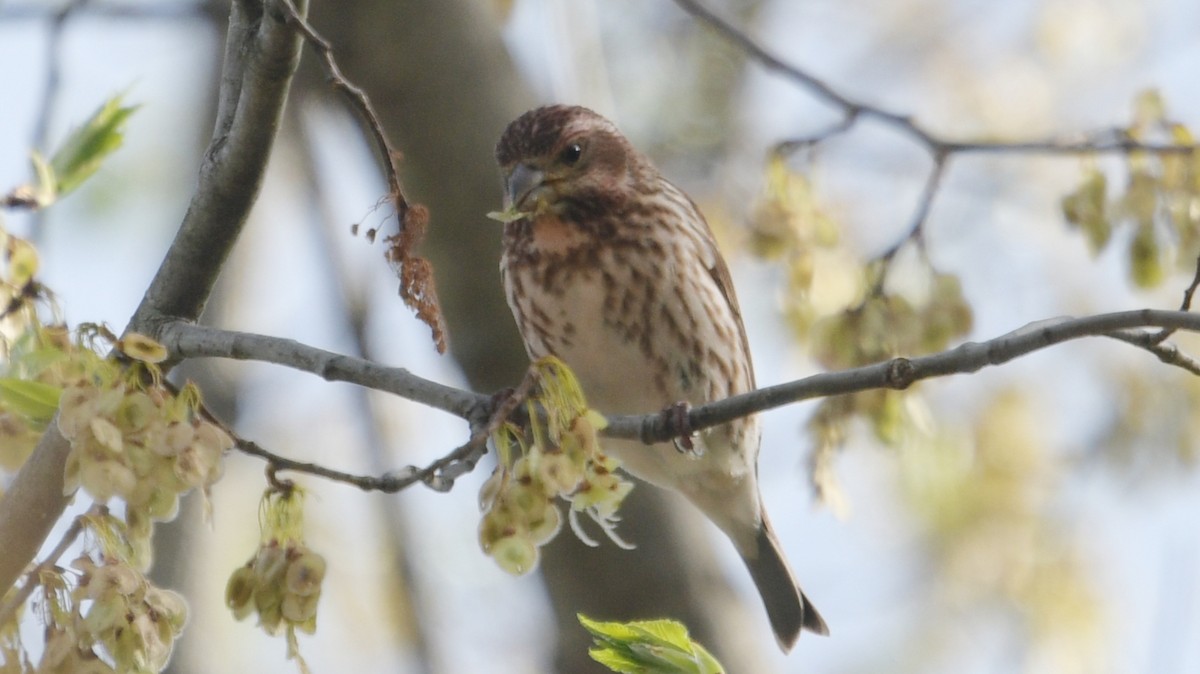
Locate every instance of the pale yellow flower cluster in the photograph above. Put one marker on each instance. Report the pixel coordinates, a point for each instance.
(559, 458)
(281, 582)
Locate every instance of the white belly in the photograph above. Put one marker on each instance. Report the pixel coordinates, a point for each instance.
(616, 373)
(618, 377)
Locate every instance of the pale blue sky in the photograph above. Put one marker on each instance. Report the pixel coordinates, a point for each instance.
(962, 66)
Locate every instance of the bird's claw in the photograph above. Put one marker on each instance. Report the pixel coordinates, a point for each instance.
(501, 396)
(496, 402)
(676, 418)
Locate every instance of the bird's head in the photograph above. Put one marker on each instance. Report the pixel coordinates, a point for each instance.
(567, 162)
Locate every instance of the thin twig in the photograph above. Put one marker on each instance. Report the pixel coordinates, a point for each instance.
(438, 475)
(853, 110)
(397, 540)
(53, 55)
(34, 576)
(941, 149)
(1104, 141)
(792, 145)
(23, 197)
(144, 11)
(770, 61)
(916, 227)
(416, 273)
(359, 100)
(1166, 352)
(1190, 292)
(1186, 305)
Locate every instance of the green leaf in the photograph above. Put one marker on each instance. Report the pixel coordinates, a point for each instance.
(22, 261)
(47, 185)
(1146, 265)
(1087, 208)
(1149, 110)
(648, 647)
(507, 216)
(37, 359)
(87, 146)
(31, 399)
(618, 662)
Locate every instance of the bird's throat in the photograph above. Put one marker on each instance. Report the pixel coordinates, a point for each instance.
(551, 235)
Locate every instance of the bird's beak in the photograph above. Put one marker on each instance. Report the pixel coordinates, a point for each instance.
(523, 180)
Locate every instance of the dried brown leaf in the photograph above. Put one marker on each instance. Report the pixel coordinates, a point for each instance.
(415, 272)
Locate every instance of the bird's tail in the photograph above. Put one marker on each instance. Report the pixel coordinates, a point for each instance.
(787, 608)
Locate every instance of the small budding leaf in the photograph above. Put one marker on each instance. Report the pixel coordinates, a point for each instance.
(507, 216)
(1149, 109)
(47, 185)
(1160, 200)
(87, 146)
(1087, 208)
(1146, 264)
(789, 217)
(33, 400)
(648, 647)
(22, 261)
(1140, 201)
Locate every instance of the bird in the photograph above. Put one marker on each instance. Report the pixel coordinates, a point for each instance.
(611, 268)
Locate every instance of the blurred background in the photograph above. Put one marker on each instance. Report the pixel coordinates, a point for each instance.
(1039, 517)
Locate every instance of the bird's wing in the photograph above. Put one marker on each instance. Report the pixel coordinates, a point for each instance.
(719, 271)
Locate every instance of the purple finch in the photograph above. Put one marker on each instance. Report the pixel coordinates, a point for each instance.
(613, 269)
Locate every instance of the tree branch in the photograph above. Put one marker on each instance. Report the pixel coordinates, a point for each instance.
(261, 54)
(900, 373)
(916, 227)
(48, 106)
(33, 577)
(362, 105)
(941, 150)
(188, 340)
(416, 274)
(1185, 305)
(1108, 141)
(1165, 351)
(439, 475)
(127, 11)
(33, 504)
(185, 340)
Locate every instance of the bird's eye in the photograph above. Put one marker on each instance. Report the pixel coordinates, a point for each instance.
(571, 154)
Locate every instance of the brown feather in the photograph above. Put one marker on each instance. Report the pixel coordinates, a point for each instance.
(615, 271)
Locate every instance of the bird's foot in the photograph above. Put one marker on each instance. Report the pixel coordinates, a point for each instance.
(501, 396)
(676, 418)
(495, 404)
